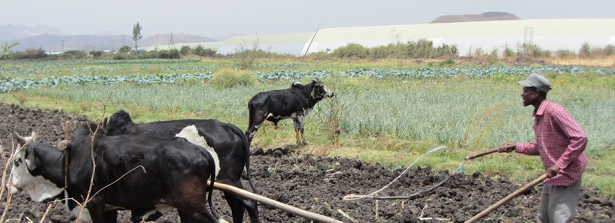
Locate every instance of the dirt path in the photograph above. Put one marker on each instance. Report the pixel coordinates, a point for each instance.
(318, 184)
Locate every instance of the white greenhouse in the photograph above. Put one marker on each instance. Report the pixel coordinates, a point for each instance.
(548, 34)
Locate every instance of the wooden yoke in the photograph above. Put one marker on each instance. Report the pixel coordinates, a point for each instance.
(64, 146)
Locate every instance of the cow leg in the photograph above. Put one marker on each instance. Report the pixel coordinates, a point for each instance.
(97, 213)
(238, 204)
(256, 120)
(194, 209)
(190, 197)
(110, 216)
(186, 218)
(299, 130)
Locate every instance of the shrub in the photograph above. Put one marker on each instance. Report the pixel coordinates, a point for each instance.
(352, 50)
(585, 51)
(120, 56)
(229, 78)
(564, 53)
(123, 49)
(447, 63)
(609, 50)
(185, 50)
(73, 54)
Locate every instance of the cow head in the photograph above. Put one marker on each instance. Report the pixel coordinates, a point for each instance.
(320, 91)
(26, 168)
(119, 123)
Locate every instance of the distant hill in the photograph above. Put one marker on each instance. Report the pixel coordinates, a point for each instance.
(54, 40)
(487, 16)
(13, 32)
(165, 39)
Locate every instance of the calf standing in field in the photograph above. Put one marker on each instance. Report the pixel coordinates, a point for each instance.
(295, 103)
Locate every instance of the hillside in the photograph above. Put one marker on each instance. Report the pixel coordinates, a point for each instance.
(487, 16)
(59, 43)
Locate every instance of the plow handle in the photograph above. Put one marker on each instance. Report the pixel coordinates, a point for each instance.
(274, 203)
(481, 154)
(507, 198)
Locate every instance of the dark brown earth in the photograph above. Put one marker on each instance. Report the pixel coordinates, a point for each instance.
(319, 184)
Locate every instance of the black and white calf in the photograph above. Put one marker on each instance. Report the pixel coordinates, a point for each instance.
(140, 173)
(226, 142)
(293, 103)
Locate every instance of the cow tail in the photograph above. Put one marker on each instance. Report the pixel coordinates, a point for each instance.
(212, 173)
(246, 145)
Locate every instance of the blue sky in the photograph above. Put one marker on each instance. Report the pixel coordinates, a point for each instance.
(224, 17)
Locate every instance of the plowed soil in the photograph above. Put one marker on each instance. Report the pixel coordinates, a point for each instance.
(319, 184)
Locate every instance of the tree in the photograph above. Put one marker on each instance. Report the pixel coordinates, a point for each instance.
(136, 34)
(124, 49)
(6, 48)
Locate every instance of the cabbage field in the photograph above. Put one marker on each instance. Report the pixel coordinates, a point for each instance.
(19, 76)
(387, 115)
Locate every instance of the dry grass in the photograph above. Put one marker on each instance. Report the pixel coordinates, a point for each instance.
(593, 62)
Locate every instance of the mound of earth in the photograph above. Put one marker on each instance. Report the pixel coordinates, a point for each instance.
(487, 16)
(319, 185)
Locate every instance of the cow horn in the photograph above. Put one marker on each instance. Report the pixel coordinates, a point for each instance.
(21, 140)
(62, 145)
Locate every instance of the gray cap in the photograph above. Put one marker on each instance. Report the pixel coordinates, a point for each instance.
(537, 81)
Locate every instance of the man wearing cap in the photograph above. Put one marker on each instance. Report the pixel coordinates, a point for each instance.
(560, 143)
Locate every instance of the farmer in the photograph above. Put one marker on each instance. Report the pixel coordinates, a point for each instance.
(560, 143)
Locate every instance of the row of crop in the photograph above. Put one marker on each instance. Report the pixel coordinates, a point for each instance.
(44, 69)
(8, 84)
(73, 68)
(12, 84)
(440, 72)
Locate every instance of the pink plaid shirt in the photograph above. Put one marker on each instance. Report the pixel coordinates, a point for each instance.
(559, 140)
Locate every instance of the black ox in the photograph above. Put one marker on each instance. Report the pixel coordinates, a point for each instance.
(140, 173)
(225, 142)
(293, 103)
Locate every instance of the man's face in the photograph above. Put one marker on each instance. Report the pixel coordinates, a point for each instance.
(529, 96)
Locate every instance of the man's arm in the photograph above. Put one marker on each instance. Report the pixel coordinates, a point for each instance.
(525, 148)
(575, 134)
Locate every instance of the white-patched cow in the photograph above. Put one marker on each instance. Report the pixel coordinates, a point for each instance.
(227, 143)
(293, 103)
(140, 173)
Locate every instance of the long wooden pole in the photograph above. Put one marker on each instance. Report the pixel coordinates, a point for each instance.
(481, 154)
(507, 198)
(274, 203)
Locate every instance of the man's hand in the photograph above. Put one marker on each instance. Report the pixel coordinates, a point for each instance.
(552, 171)
(507, 147)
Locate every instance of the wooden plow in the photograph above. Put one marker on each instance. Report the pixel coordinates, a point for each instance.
(276, 204)
(507, 198)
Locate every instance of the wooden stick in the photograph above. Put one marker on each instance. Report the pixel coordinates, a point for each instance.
(481, 154)
(66, 153)
(507, 198)
(276, 204)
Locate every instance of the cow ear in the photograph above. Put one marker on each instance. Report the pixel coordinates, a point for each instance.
(296, 84)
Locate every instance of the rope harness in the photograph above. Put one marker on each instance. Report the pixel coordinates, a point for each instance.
(373, 195)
